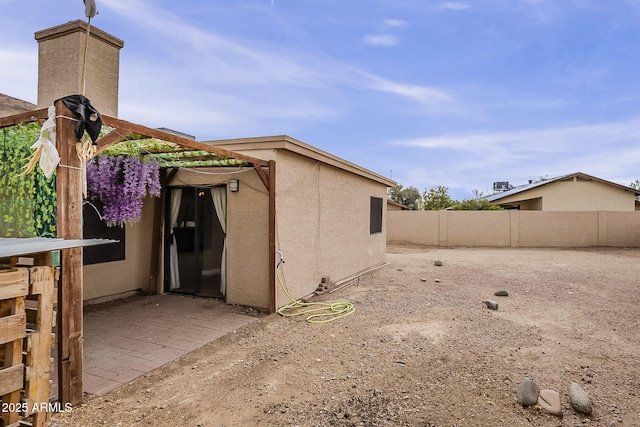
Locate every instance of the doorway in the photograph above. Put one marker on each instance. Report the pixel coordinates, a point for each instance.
(195, 255)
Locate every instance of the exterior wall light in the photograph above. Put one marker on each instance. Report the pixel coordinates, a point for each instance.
(234, 185)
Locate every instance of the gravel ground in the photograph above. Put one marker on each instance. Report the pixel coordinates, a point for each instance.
(421, 349)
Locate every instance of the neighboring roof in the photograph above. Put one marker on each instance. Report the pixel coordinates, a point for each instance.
(284, 142)
(400, 205)
(31, 245)
(10, 105)
(520, 189)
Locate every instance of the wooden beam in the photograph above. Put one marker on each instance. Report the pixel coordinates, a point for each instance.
(165, 136)
(111, 138)
(263, 177)
(69, 181)
(11, 379)
(28, 116)
(11, 384)
(37, 387)
(272, 236)
(13, 327)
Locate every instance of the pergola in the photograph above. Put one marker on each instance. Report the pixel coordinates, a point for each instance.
(175, 151)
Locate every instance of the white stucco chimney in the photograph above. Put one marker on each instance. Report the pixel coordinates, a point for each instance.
(60, 61)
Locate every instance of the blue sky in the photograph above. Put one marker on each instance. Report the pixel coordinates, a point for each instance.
(454, 93)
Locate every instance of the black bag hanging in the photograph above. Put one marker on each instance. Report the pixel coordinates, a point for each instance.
(89, 118)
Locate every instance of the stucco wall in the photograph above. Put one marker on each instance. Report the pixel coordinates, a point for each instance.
(490, 229)
(574, 196)
(515, 228)
(323, 223)
(247, 245)
(247, 234)
(117, 278)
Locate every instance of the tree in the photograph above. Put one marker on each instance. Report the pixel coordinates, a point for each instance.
(475, 202)
(475, 205)
(406, 196)
(436, 198)
(636, 185)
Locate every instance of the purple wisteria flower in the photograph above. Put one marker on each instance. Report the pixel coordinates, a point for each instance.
(120, 183)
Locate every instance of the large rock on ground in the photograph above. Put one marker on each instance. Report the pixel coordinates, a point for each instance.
(579, 399)
(491, 304)
(549, 400)
(528, 393)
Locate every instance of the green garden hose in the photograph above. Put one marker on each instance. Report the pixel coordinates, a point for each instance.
(316, 312)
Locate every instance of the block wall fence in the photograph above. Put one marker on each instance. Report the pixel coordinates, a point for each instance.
(514, 228)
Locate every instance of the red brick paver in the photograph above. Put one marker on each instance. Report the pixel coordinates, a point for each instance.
(123, 340)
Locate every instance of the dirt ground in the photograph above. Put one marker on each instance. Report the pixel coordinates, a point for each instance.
(421, 349)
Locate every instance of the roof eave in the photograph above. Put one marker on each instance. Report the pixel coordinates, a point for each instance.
(285, 142)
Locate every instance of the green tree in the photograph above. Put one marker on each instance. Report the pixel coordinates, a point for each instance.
(436, 198)
(475, 205)
(406, 196)
(636, 185)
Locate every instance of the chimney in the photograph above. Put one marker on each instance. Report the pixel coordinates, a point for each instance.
(61, 52)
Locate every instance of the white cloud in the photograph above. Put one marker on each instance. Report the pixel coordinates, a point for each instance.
(422, 94)
(475, 160)
(234, 62)
(216, 62)
(395, 23)
(533, 140)
(454, 5)
(381, 40)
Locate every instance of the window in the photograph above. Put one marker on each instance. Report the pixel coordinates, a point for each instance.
(94, 227)
(375, 215)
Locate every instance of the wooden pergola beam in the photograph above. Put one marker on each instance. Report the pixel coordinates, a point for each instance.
(29, 116)
(263, 176)
(111, 138)
(128, 127)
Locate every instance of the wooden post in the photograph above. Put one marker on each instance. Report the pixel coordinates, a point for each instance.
(37, 388)
(14, 286)
(272, 236)
(69, 181)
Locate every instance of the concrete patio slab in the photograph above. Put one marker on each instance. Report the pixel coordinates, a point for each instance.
(127, 338)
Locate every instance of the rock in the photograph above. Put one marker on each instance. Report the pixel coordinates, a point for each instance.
(491, 304)
(579, 399)
(437, 263)
(437, 280)
(528, 393)
(549, 400)
(501, 293)
(423, 279)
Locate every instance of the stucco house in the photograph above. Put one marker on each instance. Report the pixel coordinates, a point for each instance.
(395, 206)
(573, 192)
(330, 222)
(210, 233)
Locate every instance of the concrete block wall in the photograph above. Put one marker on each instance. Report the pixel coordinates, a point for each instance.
(514, 228)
